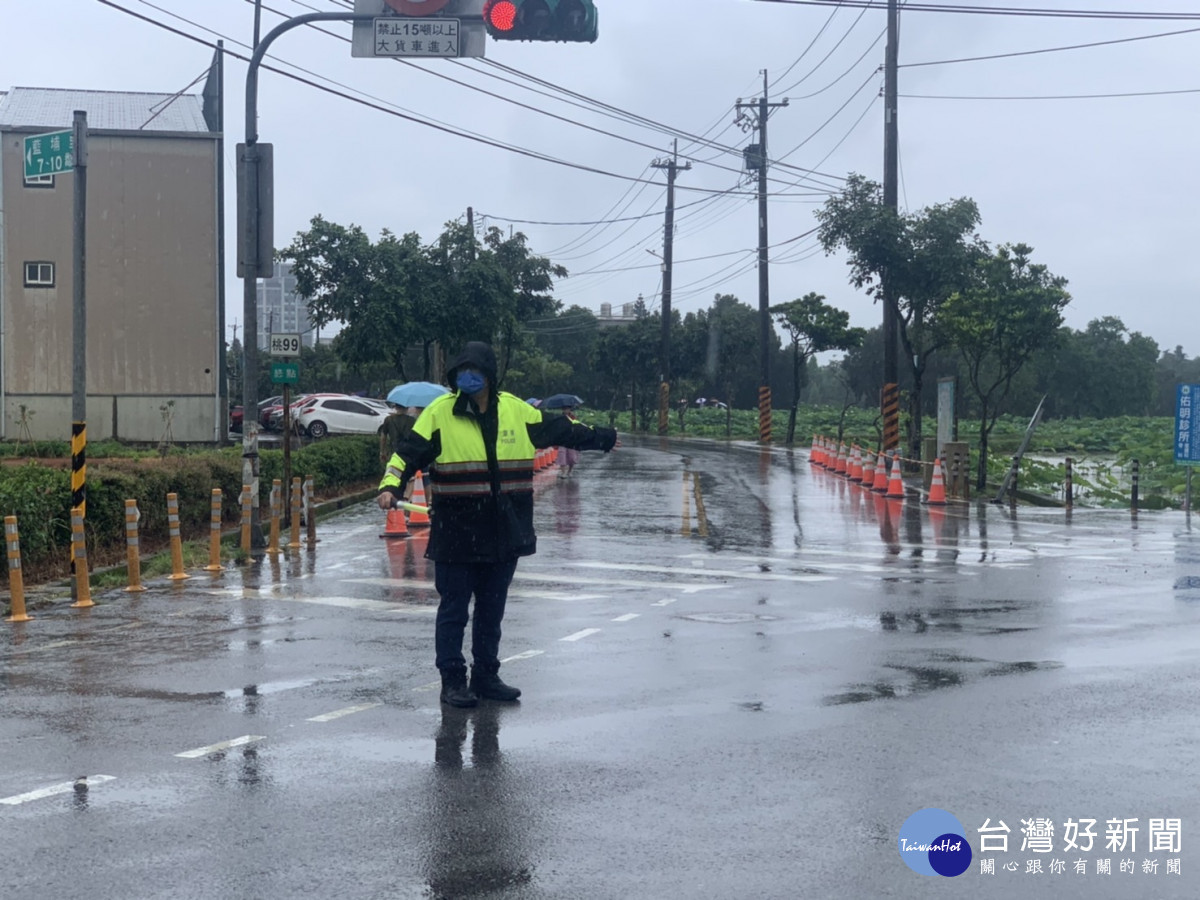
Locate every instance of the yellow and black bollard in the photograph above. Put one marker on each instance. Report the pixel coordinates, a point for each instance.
(295, 541)
(83, 584)
(247, 506)
(177, 573)
(310, 513)
(16, 581)
(214, 535)
(276, 503)
(133, 554)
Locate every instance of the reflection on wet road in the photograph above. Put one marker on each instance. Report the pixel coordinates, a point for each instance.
(741, 675)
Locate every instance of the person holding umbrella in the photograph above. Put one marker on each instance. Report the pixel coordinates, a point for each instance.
(480, 442)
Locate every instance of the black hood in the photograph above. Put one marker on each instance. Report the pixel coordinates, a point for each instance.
(479, 355)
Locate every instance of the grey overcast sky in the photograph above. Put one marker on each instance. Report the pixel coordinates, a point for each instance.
(1105, 189)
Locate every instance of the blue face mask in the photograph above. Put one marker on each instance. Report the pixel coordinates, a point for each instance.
(470, 382)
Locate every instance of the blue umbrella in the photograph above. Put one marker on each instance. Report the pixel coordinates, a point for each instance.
(416, 393)
(562, 401)
(533, 401)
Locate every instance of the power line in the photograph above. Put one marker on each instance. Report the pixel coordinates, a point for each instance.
(1052, 96)
(1001, 10)
(1128, 40)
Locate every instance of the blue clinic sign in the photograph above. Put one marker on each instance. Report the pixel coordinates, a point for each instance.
(1187, 424)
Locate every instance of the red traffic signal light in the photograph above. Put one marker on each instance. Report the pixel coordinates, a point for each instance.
(500, 14)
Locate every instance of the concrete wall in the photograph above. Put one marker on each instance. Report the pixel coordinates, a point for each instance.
(152, 292)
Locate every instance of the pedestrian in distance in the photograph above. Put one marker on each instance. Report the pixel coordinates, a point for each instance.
(568, 457)
(478, 445)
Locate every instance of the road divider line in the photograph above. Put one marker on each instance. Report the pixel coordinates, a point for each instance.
(528, 654)
(580, 635)
(65, 788)
(628, 617)
(224, 745)
(347, 711)
(667, 601)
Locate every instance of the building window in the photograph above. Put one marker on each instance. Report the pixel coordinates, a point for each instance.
(39, 274)
(39, 181)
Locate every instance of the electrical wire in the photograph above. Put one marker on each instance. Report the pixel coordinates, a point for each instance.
(1014, 54)
(1001, 10)
(1051, 96)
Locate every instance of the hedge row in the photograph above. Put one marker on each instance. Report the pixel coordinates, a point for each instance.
(40, 496)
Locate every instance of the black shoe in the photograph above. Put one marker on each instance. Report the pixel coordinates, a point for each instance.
(455, 691)
(489, 686)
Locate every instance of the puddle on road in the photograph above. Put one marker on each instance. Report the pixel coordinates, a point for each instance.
(732, 618)
(923, 679)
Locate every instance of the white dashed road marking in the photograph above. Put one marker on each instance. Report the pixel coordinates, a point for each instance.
(338, 713)
(65, 788)
(526, 655)
(665, 602)
(628, 617)
(224, 745)
(580, 635)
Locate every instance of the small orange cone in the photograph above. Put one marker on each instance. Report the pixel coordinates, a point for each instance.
(856, 474)
(418, 519)
(937, 487)
(880, 484)
(812, 451)
(895, 489)
(868, 472)
(395, 525)
(840, 467)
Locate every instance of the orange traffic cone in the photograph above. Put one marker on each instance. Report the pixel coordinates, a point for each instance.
(852, 465)
(812, 451)
(896, 483)
(937, 487)
(395, 525)
(840, 467)
(868, 472)
(418, 519)
(880, 484)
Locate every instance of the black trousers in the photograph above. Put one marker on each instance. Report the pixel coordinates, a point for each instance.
(456, 583)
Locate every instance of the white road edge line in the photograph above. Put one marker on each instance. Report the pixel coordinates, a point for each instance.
(580, 635)
(528, 654)
(64, 788)
(628, 617)
(347, 711)
(224, 745)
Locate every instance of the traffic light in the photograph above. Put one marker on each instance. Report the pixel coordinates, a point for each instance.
(541, 20)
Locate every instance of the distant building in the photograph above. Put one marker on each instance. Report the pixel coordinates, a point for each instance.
(154, 317)
(281, 309)
(627, 315)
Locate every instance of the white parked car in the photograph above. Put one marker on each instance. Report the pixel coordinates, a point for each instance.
(341, 415)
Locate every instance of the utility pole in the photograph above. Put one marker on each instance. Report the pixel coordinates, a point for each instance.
(756, 158)
(890, 407)
(664, 390)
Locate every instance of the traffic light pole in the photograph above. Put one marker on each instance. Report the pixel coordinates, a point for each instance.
(762, 112)
(664, 392)
(248, 238)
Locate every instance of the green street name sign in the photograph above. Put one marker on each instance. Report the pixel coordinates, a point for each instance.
(49, 154)
(285, 372)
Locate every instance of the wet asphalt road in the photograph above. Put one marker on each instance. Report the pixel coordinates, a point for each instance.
(741, 676)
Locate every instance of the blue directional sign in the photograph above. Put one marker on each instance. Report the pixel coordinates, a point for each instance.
(1187, 424)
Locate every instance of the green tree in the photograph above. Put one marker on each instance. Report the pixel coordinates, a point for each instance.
(732, 348)
(913, 260)
(814, 327)
(1010, 310)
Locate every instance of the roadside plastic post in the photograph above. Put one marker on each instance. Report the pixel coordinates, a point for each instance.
(295, 541)
(247, 511)
(177, 573)
(1069, 483)
(310, 513)
(276, 503)
(214, 534)
(16, 581)
(133, 553)
(1133, 496)
(83, 585)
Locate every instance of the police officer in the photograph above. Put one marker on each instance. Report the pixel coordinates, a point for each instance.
(477, 443)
